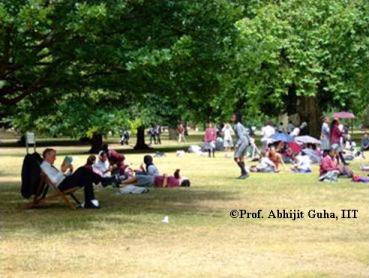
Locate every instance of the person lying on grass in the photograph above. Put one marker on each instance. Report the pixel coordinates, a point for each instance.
(265, 165)
(158, 181)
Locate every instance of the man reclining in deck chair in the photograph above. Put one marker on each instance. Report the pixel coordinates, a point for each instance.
(82, 177)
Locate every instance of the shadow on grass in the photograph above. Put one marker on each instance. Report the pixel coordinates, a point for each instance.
(116, 209)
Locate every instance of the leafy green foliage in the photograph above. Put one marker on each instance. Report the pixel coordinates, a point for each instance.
(289, 49)
(156, 60)
(104, 63)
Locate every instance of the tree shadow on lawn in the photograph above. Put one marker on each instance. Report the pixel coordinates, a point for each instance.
(124, 210)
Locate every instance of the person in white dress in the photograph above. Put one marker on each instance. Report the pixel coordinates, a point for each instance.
(227, 132)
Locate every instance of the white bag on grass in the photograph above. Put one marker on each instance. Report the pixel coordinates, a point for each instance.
(132, 189)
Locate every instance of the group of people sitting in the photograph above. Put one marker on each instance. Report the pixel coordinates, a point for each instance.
(107, 169)
(272, 158)
(332, 154)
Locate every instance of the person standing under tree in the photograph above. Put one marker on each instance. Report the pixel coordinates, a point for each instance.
(325, 136)
(243, 141)
(152, 133)
(158, 133)
(336, 139)
(210, 137)
(181, 133)
(227, 132)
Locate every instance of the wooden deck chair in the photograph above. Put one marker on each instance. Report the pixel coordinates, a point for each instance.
(41, 196)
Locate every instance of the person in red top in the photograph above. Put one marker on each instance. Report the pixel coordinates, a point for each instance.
(329, 163)
(336, 139)
(210, 137)
(330, 167)
(116, 159)
(181, 133)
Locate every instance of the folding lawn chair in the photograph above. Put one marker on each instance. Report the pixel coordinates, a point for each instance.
(41, 193)
(30, 184)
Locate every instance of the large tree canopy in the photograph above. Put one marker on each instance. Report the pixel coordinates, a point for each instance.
(172, 59)
(101, 57)
(111, 44)
(292, 52)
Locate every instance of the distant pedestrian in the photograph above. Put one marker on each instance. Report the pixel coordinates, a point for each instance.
(227, 132)
(336, 139)
(210, 137)
(325, 136)
(158, 133)
(181, 133)
(152, 134)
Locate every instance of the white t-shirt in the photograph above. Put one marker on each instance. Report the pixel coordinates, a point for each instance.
(152, 170)
(303, 162)
(100, 167)
(55, 176)
(266, 162)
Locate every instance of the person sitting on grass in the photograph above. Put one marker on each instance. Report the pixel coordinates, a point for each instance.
(330, 168)
(82, 177)
(265, 165)
(288, 155)
(275, 157)
(149, 169)
(115, 159)
(102, 165)
(158, 181)
(302, 164)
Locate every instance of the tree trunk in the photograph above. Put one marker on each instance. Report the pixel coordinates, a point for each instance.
(310, 112)
(96, 143)
(140, 144)
(186, 128)
(172, 133)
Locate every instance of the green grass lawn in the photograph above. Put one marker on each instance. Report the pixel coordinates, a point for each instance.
(126, 238)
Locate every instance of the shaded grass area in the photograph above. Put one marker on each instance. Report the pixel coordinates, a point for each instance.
(126, 238)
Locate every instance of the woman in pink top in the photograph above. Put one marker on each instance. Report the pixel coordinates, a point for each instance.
(329, 163)
(335, 139)
(210, 137)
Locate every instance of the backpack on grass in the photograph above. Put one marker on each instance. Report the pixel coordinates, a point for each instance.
(31, 172)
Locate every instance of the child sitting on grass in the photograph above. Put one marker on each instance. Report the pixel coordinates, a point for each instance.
(275, 157)
(265, 165)
(302, 164)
